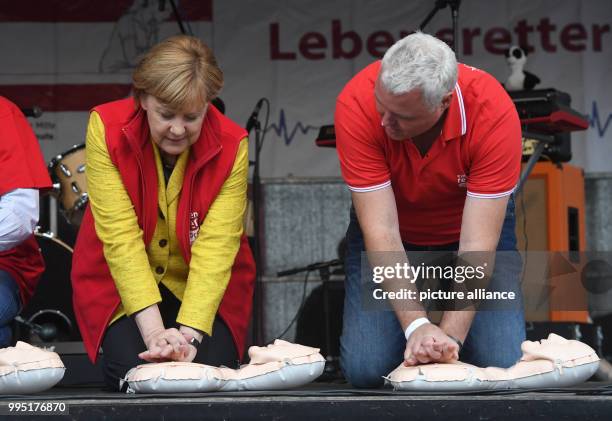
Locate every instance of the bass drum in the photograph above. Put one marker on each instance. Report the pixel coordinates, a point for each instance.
(49, 316)
(67, 171)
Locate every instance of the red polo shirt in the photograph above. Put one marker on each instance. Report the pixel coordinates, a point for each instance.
(478, 153)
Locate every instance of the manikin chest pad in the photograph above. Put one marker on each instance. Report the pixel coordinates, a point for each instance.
(549, 363)
(27, 369)
(279, 366)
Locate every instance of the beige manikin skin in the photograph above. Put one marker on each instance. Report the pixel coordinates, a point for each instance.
(263, 360)
(538, 358)
(26, 357)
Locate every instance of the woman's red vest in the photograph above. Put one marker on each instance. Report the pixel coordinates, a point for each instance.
(211, 160)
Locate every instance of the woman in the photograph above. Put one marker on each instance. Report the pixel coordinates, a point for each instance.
(161, 269)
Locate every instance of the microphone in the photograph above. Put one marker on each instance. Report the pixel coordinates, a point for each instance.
(33, 112)
(454, 5)
(252, 121)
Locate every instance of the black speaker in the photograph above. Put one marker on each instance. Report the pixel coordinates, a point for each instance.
(49, 315)
(320, 322)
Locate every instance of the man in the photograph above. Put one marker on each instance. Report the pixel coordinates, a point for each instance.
(23, 174)
(431, 152)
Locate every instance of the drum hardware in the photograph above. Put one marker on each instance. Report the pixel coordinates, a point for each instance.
(67, 171)
(46, 324)
(81, 202)
(51, 236)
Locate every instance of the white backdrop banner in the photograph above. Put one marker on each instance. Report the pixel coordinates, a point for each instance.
(66, 56)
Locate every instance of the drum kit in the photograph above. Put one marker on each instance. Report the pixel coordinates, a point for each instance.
(67, 172)
(49, 316)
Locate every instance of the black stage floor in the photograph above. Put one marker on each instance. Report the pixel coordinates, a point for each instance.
(324, 401)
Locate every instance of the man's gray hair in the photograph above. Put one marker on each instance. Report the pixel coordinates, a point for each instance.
(420, 61)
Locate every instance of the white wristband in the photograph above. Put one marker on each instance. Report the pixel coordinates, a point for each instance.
(415, 325)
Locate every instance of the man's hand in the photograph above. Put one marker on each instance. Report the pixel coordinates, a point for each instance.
(429, 344)
(167, 345)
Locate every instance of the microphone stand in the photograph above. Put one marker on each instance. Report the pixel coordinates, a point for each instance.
(454, 6)
(256, 200)
(312, 267)
(179, 20)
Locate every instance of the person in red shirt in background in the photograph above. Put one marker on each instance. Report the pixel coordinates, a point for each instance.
(23, 174)
(431, 151)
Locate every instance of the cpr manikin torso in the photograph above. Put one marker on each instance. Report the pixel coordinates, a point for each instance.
(282, 365)
(27, 369)
(552, 362)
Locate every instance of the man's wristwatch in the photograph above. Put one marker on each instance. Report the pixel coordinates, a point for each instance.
(193, 341)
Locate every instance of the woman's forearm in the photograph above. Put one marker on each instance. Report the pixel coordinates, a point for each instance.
(149, 322)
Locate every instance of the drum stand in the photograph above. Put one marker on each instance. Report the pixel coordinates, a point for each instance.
(53, 214)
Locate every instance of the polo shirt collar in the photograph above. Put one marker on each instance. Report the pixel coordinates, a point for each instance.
(455, 125)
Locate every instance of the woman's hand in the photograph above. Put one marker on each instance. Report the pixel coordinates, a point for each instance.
(167, 345)
(189, 333)
(162, 344)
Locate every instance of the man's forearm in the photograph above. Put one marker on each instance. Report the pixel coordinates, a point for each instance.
(388, 250)
(377, 214)
(457, 323)
(18, 216)
(480, 231)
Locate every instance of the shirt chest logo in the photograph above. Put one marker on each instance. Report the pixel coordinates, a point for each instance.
(194, 227)
(462, 181)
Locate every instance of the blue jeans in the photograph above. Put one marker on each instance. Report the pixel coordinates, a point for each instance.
(9, 307)
(373, 343)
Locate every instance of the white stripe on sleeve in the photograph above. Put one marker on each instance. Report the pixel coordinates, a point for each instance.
(370, 188)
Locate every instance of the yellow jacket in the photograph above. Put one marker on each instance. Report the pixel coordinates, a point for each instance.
(137, 270)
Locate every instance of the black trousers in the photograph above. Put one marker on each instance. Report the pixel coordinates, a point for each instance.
(122, 343)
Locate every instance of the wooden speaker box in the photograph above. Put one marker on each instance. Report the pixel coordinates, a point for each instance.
(550, 217)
